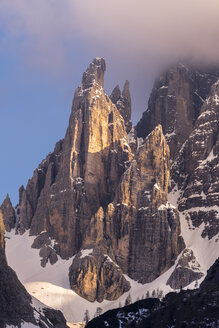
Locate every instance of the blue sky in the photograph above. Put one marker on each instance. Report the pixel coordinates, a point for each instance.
(45, 45)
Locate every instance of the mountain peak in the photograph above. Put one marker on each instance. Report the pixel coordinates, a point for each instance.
(94, 73)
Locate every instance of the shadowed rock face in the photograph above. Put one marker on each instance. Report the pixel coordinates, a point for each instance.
(175, 103)
(139, 230)
(15, 303)
(196, 169)
(143, 227)
(91, 192)
(186, 271)
(14, 300)
(123, 103)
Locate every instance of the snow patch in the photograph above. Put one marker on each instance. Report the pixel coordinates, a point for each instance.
(86, 252)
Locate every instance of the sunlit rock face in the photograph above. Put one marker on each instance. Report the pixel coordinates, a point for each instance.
(95, 276)
(144, 228)
(8, 214)
(95, 191)
(82, 173)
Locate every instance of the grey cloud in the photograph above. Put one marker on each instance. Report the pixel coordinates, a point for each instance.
(138, 37)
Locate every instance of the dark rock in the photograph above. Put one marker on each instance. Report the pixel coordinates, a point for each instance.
(195, 171)
(123, 103)
(48, 253)
(41, 240)
(176, 101)
(14, 300)
(186, 271)
(55, 317)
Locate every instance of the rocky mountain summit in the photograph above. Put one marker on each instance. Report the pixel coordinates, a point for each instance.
(129, 203)
(91, 191)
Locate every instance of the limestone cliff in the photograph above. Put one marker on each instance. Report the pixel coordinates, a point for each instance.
(83, 172)
(91, 193)
(96, 277)
(123, 102)
(144, 229)
(176, 101)
(8, 214)
(195, 171)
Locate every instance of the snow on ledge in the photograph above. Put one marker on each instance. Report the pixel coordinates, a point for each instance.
(86, 252)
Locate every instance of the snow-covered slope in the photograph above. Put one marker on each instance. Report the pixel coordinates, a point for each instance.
(205, 250)
(50, 285)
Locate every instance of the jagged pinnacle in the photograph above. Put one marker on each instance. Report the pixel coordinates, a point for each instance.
(94, 73)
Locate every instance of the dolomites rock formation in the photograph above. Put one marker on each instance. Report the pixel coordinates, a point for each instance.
(176, 101)
(143, 227)
(102, 188)
(122, 100)
(196, 169)
(139, 230)
(186, 271)
(82, 173)
(8, 214)
(91, 193)
(96, 277)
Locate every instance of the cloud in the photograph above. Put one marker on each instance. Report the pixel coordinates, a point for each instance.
(137, 37)
(152, 30)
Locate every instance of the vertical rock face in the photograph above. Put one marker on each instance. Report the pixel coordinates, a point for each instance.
(96, 277)
(2, 231)
(82, 173)
(186, 271)
(195, 171)
(143, 227)
(175, 103)
(123, 103)
(91, 193)
(8, 214)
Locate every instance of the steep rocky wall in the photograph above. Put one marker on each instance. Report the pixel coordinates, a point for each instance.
(2, 231)
(176, 101)
(123, 102)
(195, 171)
(8, 214)
(82, 173)
(144, 229)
